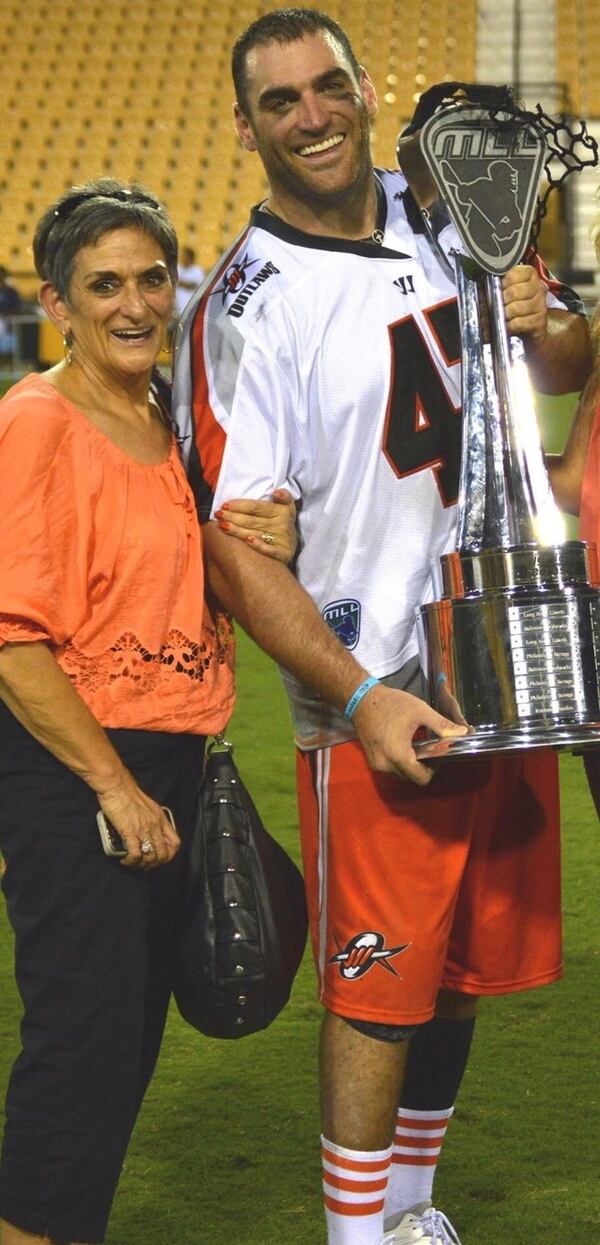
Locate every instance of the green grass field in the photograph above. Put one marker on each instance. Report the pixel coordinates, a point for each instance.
(226, 1148)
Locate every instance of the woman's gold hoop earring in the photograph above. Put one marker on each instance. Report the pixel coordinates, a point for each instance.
(67, 345)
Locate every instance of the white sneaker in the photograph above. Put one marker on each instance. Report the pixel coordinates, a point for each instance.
(429, 1228)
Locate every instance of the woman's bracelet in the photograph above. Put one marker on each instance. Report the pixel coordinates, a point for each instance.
(358, 695)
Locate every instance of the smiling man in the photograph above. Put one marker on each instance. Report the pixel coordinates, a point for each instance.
(324, 354)
(308, 118)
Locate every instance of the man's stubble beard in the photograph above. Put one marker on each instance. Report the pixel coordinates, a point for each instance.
(281, 176)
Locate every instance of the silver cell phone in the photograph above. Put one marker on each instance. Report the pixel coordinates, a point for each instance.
(112, 842)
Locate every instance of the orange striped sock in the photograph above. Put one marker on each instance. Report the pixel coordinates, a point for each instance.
(417, 1143)
(354, 1184)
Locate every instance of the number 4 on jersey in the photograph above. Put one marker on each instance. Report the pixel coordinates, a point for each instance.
(423, 430)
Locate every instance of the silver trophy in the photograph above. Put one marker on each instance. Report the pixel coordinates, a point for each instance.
(513, 643)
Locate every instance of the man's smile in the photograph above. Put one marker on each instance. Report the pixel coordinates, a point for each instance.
(326, 144)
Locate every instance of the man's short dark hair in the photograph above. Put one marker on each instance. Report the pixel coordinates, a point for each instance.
(282, 26)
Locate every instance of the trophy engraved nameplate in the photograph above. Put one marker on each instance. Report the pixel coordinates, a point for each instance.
(513, 643)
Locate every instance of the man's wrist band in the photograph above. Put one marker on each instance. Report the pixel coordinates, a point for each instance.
(358, 695)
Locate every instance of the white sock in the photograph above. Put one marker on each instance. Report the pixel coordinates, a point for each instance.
(354, 1184)
(416, 1150)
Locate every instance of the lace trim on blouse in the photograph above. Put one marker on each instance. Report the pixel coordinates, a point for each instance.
(129, 659)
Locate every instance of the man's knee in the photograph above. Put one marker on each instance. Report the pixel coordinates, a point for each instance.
(451, 1005)
(382, 1033)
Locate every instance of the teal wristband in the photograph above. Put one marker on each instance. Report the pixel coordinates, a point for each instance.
(357, 696)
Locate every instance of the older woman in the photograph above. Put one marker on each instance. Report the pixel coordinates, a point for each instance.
(113, 668)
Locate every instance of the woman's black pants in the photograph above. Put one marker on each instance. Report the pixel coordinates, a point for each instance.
(94, 962)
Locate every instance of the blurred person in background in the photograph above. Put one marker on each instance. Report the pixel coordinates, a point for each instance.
(331, 356)
(113, 669)
(10, 305)
(189, 277)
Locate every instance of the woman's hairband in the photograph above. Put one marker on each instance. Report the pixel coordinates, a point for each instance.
(64, 210)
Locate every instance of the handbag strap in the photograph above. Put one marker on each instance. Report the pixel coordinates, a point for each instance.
(220, 744)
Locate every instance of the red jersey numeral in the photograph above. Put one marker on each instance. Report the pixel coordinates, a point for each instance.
(423, 430)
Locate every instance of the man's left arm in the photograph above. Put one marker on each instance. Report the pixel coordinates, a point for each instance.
(557, 341)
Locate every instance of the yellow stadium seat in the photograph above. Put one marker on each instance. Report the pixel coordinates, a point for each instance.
(141, 89)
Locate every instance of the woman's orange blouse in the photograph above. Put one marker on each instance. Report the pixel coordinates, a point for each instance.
(101, 557)
(589, 509)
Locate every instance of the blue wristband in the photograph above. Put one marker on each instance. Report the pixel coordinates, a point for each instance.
(357, 696)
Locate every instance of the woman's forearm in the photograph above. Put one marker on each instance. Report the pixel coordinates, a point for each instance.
(44, 701)
(566, 470)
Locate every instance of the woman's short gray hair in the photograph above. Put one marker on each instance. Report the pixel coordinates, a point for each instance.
(82, 215)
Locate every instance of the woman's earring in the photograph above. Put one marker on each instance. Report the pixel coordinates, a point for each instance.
(67, 344)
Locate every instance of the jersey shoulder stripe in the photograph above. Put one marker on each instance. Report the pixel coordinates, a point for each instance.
(204, 437)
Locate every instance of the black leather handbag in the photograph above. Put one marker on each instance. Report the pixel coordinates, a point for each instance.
(243, 914)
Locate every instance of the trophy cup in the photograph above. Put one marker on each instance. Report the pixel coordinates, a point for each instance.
(513, 643)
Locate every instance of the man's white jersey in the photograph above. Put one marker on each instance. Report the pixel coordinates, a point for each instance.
(333, 368)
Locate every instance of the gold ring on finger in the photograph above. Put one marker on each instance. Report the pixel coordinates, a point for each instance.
(146, 847)
(268, 538)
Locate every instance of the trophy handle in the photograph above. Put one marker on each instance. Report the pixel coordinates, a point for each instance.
(505, 498)
(483, 506)
(534, 515)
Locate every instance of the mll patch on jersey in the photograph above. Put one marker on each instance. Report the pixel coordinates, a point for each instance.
(344, 618)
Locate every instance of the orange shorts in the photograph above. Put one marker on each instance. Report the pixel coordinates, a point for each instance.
(411, 888)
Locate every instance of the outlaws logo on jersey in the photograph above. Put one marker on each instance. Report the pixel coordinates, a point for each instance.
(234, 278)
(362, 952)
(234, 283)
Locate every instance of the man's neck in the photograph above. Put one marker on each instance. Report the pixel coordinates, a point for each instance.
(351, 219)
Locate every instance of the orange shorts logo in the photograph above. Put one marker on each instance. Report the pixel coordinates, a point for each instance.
(362, 952)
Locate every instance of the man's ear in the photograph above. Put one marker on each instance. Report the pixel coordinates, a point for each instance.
(368, 91)
(54, 306)
(243, 128)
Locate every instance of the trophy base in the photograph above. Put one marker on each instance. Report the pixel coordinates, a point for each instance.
(519, 662)
(577, 738)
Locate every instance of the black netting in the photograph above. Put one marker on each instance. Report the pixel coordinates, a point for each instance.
(569, 147)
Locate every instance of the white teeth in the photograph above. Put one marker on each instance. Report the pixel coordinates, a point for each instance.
(324, 146)
(132, 333)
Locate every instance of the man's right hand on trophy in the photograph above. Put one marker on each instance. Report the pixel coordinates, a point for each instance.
(525, 303)
(386, 722)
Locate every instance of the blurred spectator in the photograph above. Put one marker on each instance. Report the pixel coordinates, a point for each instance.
(10, 305)
(189, 276)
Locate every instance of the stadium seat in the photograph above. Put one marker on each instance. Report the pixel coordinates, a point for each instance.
(140, 89)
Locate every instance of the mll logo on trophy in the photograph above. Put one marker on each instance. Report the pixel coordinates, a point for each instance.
(513, 643)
